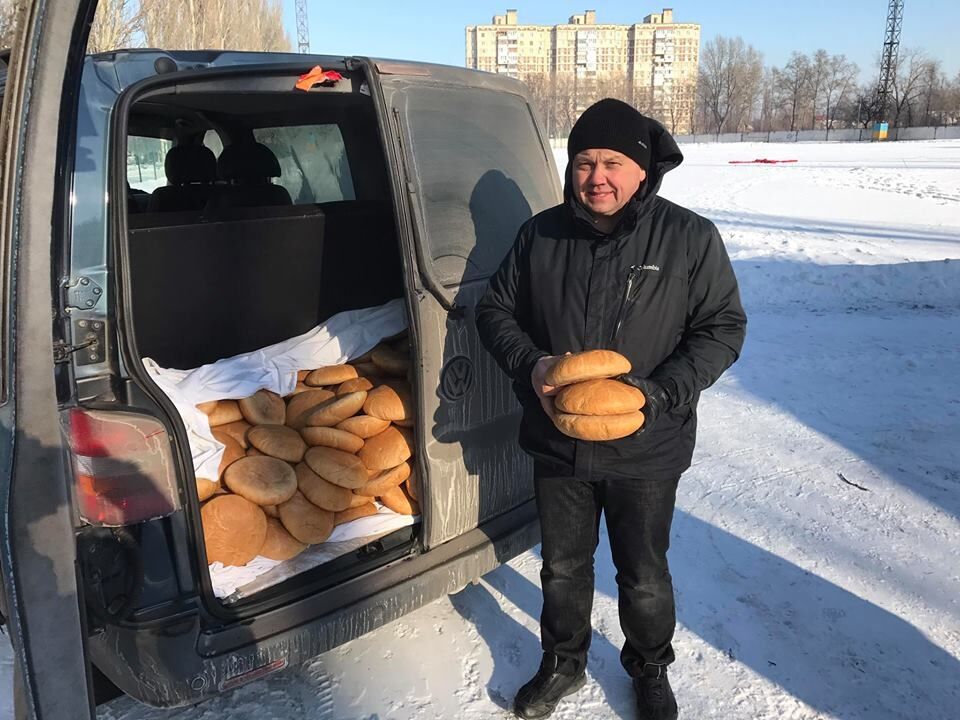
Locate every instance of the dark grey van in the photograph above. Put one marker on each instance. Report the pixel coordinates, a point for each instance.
(120, 241)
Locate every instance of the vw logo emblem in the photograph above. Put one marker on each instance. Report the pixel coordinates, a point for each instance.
(456, 378)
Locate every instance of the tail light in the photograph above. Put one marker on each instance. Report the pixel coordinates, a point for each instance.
(122, 466)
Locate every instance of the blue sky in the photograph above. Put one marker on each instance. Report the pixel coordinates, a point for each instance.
(854, 27)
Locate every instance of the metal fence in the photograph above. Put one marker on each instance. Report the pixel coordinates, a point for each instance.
(843, 135)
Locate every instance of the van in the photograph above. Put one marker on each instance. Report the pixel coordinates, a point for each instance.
(393, 182)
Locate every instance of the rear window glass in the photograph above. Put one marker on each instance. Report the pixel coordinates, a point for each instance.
(145, 156)
(483, 172)
(313, 162)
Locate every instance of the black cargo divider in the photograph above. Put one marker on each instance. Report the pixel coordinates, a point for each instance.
(207, 286)
(361, 256)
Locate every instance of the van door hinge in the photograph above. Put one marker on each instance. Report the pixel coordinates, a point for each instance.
(90, 348)
(82, 293)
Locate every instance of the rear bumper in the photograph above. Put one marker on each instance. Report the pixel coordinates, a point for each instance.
(182, 663)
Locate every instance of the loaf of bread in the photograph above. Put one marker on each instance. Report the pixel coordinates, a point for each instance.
(413, 486)
(336, 466)
(599, 427)
(261, 480)
(320, 492)
(388, 449)
(385, 480)
(364, 510)
(231, 451)
(305, 521)
(301, 402)
(278, 441)
(358, 383)
(206, 489)
(226, 411)
(331, 375)
(587, 365)
(208, 407)
(367, 369)
(599, 397)
(332, 437)
(279, 544)
(233, 529)
(390, 401)
(263, 408)
(399, 501)
(300, 388)
(390, 361)
(237, 430)
(333, 411)
(363, 426)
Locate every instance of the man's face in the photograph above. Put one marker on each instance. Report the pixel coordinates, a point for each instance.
(605, 180)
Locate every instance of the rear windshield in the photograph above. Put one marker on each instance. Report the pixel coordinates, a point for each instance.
(313, 162)
(145, 156)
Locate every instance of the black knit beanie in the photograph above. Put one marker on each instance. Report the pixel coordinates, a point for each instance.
(614, 125)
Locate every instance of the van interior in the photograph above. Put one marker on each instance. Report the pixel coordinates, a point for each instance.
(253, 217)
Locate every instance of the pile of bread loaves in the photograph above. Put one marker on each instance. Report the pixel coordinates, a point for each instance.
(591, 404)
(296, 467)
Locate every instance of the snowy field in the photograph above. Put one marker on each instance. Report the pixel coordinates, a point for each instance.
(816, 545)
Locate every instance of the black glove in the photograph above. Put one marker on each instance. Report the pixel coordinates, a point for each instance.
(658, 399)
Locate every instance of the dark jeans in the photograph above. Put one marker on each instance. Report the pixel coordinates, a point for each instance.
(639, 513)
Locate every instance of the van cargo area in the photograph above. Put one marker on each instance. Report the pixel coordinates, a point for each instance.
(255, 218)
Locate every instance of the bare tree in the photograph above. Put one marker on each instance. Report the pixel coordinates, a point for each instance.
(613, 85)
(540, 86)
(116, 24)
(912, 70)
(839, 83)
(930, 103)
(793, 87)
(566, 103)
(951, 101)
(728, 83)
(819, 69)
(214, 24)
(767, 108)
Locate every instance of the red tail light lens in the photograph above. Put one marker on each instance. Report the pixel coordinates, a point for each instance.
(122, 466)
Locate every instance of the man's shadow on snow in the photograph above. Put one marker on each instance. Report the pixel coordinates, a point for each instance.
(840, 654)
(516, 651)
(823, 645)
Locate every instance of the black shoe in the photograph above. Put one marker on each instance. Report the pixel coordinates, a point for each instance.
(539, 697)
(655, 698)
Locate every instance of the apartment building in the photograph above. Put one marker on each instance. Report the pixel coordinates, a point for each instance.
(652, 64)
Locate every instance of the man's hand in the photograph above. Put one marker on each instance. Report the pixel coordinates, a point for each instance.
(657, 398)
(538, 380)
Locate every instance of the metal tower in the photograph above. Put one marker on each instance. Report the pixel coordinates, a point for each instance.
(303, 29)
(888, 60)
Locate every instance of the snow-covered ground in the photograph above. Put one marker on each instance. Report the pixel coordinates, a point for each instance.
(800, 594)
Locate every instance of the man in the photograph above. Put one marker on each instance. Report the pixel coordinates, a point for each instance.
(615, 266)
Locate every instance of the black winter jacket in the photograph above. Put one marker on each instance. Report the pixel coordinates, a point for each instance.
(659, 289)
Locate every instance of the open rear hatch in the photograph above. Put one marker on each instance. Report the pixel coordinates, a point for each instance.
(259, 242)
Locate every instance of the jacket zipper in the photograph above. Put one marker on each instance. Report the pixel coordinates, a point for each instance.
(629, 293)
